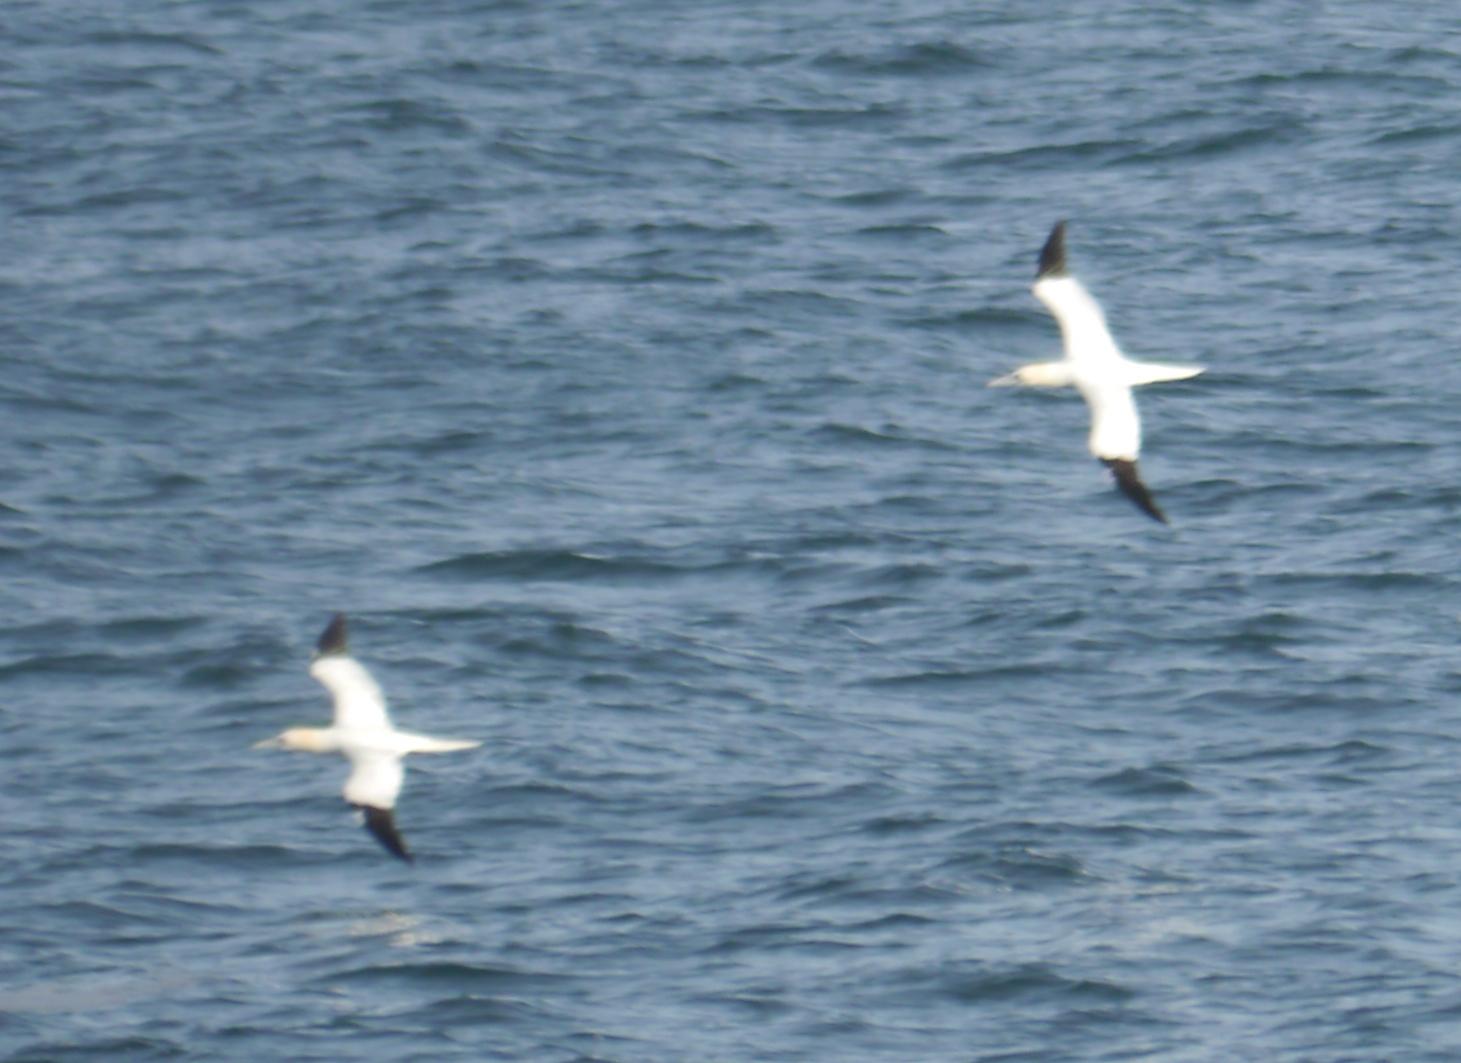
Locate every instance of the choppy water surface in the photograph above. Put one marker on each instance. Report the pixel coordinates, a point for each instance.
(619, 369)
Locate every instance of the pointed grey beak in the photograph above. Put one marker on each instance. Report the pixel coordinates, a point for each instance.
(269, 743)
(1009, 380)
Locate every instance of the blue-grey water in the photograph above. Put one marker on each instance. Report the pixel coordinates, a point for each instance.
(619, 368)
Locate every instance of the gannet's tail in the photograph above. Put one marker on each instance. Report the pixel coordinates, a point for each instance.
(414, 743)
(1157, 372)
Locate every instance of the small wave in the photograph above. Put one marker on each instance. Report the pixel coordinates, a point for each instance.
(698, 234)
(1347, 752)
(868, 603)
(474, 1009)
(1418, 134)
(1042, 156)
(90, 664)
(755, 1005)
(904, 234)
(1157, 780)
(924, 59)
(459, 976)
(1025, 980)
(80, 1047)
(161, 42)
(943, 678)
(877, 115)
(547, 566)
(842, 434)
(1226, 143)
(129, 197)
(979, 319)
(401, 115)
(1368, 582)
(894, 824)
(244, 858)
(563, 639)
(735, 381)
(878, 197)
(1017, 867)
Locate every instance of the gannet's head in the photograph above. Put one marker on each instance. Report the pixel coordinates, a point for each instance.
(1039, 375)
(306, 739)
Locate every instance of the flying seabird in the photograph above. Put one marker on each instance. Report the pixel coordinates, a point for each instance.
(1095, 366)
(362, 732)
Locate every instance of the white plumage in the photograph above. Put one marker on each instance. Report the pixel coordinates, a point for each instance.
(363, 733)
(1095, 366)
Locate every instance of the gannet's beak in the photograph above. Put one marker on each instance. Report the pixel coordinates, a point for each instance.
(277, 742)
(1009, 380)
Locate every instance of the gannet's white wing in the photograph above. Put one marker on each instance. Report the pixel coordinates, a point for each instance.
(414, 743)
(375, 777)
(359, 703)
(1116, 439)
(1082, 323)
(1115, 424)
(1158, 372)
(374, 783)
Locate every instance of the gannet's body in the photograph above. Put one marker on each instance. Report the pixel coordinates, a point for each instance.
(362, 732)
(1095, 366)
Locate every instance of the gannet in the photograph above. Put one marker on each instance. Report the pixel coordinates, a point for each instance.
(1095, 366)
(362, 731)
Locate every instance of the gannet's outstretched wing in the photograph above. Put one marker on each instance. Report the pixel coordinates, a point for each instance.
(1115, 424)
(1116, 439)
(1082, 323)
(374, 783)
(359, 703)
(382, 823)
(375, 777)
(1131, 486)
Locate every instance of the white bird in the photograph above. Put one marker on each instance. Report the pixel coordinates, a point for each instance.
(1095, 366)
(362, 732)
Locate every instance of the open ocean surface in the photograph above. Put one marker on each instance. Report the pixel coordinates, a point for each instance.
(619, 368)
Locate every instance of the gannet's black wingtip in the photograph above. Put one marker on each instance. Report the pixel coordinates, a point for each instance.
(333, 639)
(1052, 255)
(1132, 487)
(382, 824)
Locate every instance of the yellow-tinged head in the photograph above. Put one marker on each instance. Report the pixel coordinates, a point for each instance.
(1038, 375)
(305, 739)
